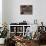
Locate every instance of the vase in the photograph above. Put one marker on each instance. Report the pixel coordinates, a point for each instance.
(2, 40)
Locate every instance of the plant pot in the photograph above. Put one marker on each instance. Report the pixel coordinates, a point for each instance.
(2, 40)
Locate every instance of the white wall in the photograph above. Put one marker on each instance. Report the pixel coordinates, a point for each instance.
(0, 13)
(12, 11)
(4, 11)
(15, 14)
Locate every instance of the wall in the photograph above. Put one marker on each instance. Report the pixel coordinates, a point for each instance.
(15, 11)
(0, 13)
(12, 11)
(4, 11)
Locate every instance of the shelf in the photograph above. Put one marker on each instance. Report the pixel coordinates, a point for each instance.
(18, 25)
(19, 32)
(18, 28)
(23, 25)
(12, 32)
(16, 32)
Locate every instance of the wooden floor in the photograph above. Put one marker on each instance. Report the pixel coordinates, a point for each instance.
(36, 44)
(42, 45)
(32, 45)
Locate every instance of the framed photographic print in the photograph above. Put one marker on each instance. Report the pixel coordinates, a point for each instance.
(26, 9)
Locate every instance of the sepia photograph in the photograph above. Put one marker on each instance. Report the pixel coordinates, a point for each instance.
(26, 9)
(22, 22)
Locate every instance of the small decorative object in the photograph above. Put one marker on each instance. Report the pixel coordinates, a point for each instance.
(35, 21)
(28, 34)
(24, 21)
(42, 27)
(42, 23)
(26, 9)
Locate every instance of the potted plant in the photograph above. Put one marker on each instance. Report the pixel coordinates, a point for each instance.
(3, 34)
